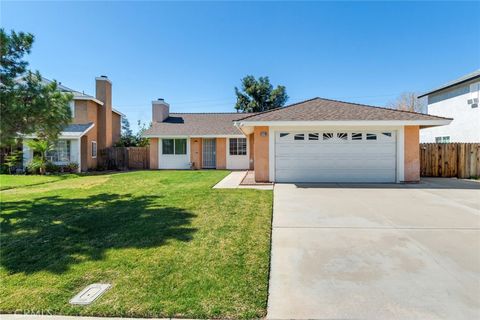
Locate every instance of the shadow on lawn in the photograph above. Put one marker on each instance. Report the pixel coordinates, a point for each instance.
(52, 233)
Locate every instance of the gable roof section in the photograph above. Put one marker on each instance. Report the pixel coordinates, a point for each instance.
(319, 109)
(471, 76)
(196, 124)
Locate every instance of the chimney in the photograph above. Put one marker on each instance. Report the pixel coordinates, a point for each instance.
(103, 89)
(160, 110)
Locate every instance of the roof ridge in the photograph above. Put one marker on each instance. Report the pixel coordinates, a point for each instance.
(239, 113)
(281, 108)
(384, 108)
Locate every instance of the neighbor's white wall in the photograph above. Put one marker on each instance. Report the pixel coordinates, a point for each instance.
(27, 153)
(238, 162)
(452, 103)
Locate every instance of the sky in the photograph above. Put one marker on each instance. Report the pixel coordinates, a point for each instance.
(193, 54)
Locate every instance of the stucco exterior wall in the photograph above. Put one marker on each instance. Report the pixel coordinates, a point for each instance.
(261, 153)
(453, 103)
(251, 140)
(153, 161)
(116, 127)
(196, 152)
(87, 111)
(411, 154)
(221, 153)
(104, 94)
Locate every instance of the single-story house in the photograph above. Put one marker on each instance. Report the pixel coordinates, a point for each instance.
(95, 125)
(317, 140)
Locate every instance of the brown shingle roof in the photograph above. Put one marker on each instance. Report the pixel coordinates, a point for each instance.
(191, 124)
(319, 109)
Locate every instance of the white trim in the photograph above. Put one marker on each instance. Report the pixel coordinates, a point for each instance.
(118, 112)
(161, 155)
(88, 98)
(103, 79)
(234, 162)
(400, 154)
(79, 154)
(439, 122)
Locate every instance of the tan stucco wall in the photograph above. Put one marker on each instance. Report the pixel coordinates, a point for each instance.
(116, 127)
(251, 141)
(196, 152)
(261, 154)
(85, 112)
(412, 154)
(221, 153)
(104, 94)
(153, 161)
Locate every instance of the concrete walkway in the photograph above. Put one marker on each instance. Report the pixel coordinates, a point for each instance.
(234, 180)
(376, 251)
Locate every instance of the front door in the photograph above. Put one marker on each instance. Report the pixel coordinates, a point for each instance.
(209, 151)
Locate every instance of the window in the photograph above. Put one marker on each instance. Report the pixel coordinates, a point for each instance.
(313, 136)
(174, 146)
(327, 136)
(299, 136)
(356, 136)
(442, 139)
(60, 151)
(371, 136)
(94, 149)
(283, 135)
(238, 146)
(342, 136)
(388, 134)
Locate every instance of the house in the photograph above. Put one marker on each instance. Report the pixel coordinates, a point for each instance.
(317, 140)
(458, 99)
(95, 125)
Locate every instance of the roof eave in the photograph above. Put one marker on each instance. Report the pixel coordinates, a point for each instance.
(88, 98)
(448, 86)
(432, 122)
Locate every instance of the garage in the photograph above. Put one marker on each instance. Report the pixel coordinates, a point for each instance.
(335, 156)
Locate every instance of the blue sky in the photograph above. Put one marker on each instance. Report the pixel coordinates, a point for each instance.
(193, 54)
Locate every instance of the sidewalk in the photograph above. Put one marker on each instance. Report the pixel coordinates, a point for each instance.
(234, 180)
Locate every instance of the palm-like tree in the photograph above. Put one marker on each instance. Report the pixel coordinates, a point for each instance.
(41, 147)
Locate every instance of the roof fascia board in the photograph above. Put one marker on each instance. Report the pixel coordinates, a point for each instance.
(439, 122)
(193, 136)
(89, 98)
(448, 86)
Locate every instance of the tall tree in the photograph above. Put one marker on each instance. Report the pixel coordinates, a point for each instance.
(27, 104)
(259, 95)
(408, 101)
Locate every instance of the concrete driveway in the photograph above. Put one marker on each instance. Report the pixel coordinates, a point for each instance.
(376, 251)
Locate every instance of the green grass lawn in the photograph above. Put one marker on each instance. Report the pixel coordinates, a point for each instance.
(15, 181)
(169, 244)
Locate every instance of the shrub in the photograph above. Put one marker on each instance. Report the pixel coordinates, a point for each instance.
(72, 167)
(52, 168)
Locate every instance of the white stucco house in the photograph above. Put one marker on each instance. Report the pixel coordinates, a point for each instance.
(458, 99)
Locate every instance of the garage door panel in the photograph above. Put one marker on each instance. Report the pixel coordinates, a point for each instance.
(335, 159)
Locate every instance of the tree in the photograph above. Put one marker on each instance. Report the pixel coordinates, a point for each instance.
(27, 104)
(40, 148)
(259, 95)
(128, 139)
(408, 101)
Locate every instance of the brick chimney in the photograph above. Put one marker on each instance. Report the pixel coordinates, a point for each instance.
(103, 92)
(160, 110)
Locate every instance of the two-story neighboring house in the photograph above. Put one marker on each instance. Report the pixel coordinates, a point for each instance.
(95, 126)
(458, 99)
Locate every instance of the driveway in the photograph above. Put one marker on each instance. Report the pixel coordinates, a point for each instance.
(376, 251)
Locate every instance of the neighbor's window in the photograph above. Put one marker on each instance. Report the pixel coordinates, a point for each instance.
(442, 139)
(60, 151)
(238, 146)
(94, 149)
(174, 146)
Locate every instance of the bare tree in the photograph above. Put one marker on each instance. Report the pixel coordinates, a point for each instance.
(408, 101)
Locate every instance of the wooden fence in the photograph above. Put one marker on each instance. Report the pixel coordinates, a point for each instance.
(124, 158)
(461, 160)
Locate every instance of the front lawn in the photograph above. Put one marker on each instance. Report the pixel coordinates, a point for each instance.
(15, 181)
(169, 244)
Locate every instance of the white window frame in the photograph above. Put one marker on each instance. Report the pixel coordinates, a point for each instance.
(94, 143)
(174, 147)
(235, 152)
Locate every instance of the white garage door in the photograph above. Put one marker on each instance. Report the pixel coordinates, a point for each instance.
(334, 156)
